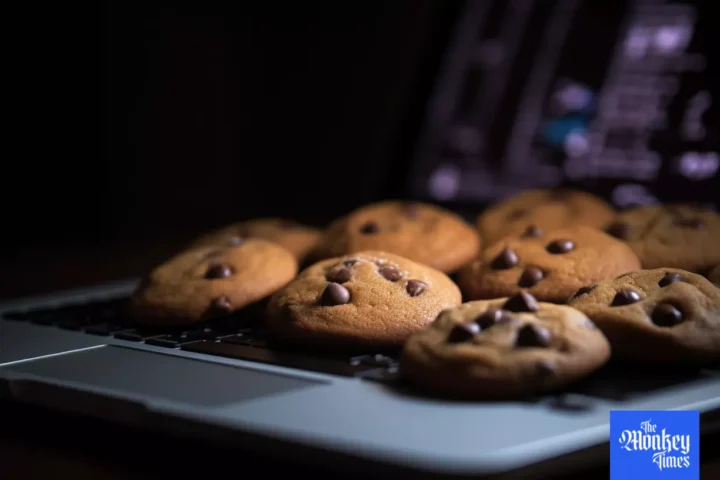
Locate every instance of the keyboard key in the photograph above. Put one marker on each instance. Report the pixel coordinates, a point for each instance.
(140, 334)
(208, 333)
(291, 360)
(43, 317)
(382, 375)
(105, 329)
(244, 339)
(15, 316)
(167, 342)
(77, 323)
(71, 310)
(161, 342)
(376, 360)
(72, 325)
(177, 339)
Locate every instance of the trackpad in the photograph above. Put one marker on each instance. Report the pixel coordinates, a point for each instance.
(156, 375)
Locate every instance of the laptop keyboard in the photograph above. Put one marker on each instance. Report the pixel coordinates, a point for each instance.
(236, 337)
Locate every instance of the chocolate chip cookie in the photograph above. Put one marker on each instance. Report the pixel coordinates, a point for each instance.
(504, 348)
(677, 236)
(551, 266)
(420, 232)
(544, 210)
(210, 282)
(295, 237)
(660, 316)
(368, 299)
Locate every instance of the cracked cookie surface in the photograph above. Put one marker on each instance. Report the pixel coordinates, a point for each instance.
(210, 282)
(675, 236)
(295, 237)
(544, 209)
(551, 266)
(504, 348)
(420, 232)
(367, 299)
(659, 316)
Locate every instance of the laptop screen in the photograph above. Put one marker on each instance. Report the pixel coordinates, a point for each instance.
(618, 98)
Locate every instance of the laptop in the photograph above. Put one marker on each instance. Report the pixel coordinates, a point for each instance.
(615, 100)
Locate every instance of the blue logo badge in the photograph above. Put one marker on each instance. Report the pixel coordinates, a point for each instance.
(654, 444)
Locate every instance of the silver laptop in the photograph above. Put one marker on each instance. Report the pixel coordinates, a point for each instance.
(76, 351)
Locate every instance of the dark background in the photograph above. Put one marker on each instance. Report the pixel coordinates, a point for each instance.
(139, 126)
(215, 113)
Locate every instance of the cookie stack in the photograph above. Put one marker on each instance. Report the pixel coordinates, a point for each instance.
(555, 283)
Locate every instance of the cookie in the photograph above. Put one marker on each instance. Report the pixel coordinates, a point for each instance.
(551, 266)
(504, 348)
(545, 210)
(660, 316)
(295, 237)
(368, 299)
(420, 232)
(676, 236)
(714, 275)
(210, 282)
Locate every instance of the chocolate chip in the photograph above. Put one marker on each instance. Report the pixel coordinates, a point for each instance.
(370, 228)
(222, 303)
(533, 336)
(335, 294)
(390, 273)
(235, 241)
(695, 223)
(415, 287)
(505, 259)
(492, 317)
(411, 210)
(625, 296)
(350, 262)
(522, 302)
(585, 290)
(217, 271)
(341, 275)
(532, 231)
(669, 278)
(462, 333)
(530, 276)
(619, 230)
(545, 367)
(561, 246)
(666, 315)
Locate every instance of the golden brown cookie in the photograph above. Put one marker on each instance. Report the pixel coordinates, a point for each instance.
(420, 232)
(299, 239)
(504, 348)
(551, 266)
(542, 209)
(209, 282)
(714, 275)
(368, 299)
(660, 316)
(677, 236)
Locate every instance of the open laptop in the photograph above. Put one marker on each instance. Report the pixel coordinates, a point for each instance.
(617, 100)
